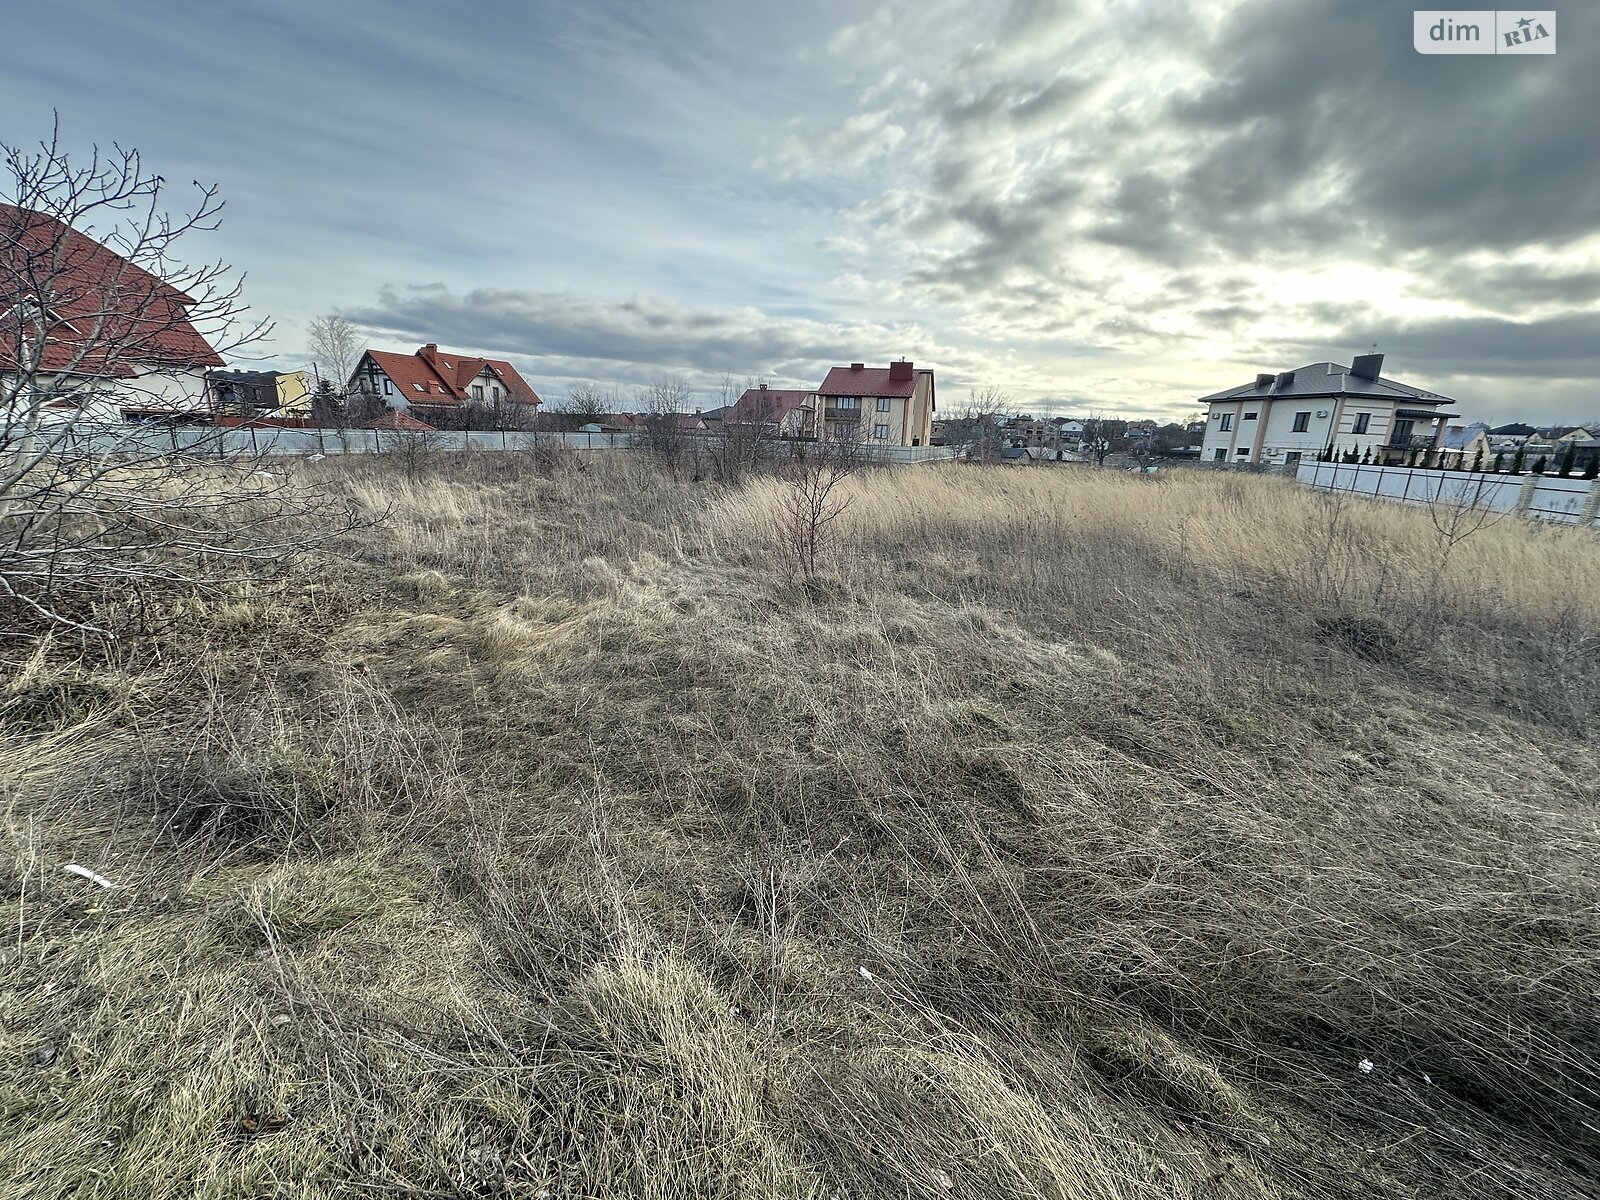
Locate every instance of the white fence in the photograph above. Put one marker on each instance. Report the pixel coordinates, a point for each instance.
(1542, 497)
(210, 442)
(252, 440)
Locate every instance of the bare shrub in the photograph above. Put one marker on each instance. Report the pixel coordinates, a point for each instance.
(812, 500)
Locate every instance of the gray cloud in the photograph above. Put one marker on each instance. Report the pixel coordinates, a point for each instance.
(560, 338)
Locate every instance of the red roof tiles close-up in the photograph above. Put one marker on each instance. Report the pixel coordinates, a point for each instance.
(107, 316)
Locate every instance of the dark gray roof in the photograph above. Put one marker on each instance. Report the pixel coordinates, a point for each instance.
(1329, 379)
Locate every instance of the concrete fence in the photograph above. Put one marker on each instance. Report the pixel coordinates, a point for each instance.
(209, 442)
(249, 440)
(1539, 497)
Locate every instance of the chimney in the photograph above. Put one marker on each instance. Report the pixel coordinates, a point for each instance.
(430, 351)
(763, 387)
(1367, 366)
(1263, 381)
(858, 366)
(899, 371)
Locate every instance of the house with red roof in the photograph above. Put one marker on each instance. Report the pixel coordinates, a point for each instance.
(886, 406)
(103, 338)
(443, 388)
(792, 413)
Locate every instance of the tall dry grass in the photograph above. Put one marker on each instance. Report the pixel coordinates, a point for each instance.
(1070, 835)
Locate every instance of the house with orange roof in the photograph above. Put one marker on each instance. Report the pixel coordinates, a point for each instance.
(445, 389)
(89, 335)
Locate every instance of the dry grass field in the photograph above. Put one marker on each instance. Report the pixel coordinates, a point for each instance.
(1069, 834)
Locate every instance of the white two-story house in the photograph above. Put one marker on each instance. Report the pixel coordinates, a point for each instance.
(1294, 415)
(440, 386)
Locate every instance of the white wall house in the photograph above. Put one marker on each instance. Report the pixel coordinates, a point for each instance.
(1293, 416)
(86, 335)
(433, 383)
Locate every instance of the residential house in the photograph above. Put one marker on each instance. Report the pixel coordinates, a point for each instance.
(1297, 414)
(444, 388)
(791, 412)
(1505, 439)
(1464, 447)
(260, 393)
(891, 405)
(111, 341)
(1025, 431)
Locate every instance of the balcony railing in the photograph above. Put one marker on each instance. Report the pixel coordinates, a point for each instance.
(842, 414)
(1421, 441)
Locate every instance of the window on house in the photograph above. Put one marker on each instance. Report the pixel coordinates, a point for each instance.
(477, 391)
(419, 387)
(1250, 416)
(883, 404)
(1292, 459)
(388, 387)
(880, 431)
(1227, 422)
(496, 393)
(1221, 455)
(848, 401)
(1302, 422)
(1242, 453)
(1362, 421)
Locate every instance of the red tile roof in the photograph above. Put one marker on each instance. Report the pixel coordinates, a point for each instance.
(897, 379)
(434, 376)
(768, 404)
(143, 320)
(395, 419)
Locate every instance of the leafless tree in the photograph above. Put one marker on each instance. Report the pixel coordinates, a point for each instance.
(101, 322)
(748, 433)
(335, 345)
(980, 427)
(1103, 436)
(413, 449)
(664, 402)
(585, 400)
(812, 500)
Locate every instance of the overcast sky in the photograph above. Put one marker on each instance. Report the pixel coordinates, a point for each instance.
(1117, 205)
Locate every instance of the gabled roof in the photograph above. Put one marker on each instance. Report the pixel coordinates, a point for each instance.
(142, 318)
(446, 378)
(1327, 379)
(1515, 429)
(461, 372)
(768, 404)
(861, 380)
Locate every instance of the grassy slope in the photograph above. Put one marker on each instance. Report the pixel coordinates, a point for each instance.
(1076, 835)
